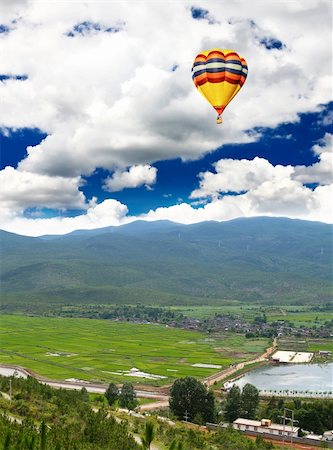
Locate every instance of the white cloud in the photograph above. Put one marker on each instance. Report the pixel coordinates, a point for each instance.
(20, 189)
(237, 176)
(320, 172)
(111, 99)
(279, 187)
(285, 199)
(107, 213)
(134, 177)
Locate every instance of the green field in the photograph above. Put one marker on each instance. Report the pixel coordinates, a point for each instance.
(88, 349)
(300, 316)
(307, 345)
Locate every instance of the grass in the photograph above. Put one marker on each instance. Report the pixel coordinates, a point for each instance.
(300, 316)
(88, 349)
(307, 345)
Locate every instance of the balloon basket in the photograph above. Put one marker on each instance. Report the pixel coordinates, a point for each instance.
(219, 120)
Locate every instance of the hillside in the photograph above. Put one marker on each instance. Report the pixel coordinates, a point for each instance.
(257, 259)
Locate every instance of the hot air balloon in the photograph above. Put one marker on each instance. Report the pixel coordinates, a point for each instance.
(219, 75)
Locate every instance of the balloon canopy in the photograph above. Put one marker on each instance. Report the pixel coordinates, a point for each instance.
(219, 75)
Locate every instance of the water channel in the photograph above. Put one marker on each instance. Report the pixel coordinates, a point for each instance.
(292, 379)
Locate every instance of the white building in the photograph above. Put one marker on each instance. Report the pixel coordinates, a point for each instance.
(328, 435)
(282, 356)
(265, 426)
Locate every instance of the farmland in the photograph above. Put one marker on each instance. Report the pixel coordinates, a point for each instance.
(305, 315)
(86, 349)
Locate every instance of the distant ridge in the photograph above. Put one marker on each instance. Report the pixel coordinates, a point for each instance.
(249, 259)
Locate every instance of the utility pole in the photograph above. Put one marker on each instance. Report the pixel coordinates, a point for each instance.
(292, 421)
(186, 416)
(10, 389)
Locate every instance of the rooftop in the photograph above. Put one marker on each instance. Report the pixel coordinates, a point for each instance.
(257, 423)
(292, 357)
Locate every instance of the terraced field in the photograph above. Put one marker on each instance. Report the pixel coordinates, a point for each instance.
(99, 350)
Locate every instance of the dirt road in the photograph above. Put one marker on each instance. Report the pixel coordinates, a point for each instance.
(209, 381)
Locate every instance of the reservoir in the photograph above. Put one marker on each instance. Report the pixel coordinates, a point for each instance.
(292, 379)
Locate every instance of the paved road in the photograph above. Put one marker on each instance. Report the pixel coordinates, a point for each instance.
(162, 398)
(8, 370)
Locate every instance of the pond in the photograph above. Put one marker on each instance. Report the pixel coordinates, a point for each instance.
(292, 379)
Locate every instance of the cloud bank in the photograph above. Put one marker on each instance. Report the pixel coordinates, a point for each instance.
(111, 87)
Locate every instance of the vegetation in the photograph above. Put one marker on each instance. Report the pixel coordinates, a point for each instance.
(312, 415)
(241, 403)
(233, 404)
(250, 401)
(56, 420)
(190, 401)
(148, 436)
(60, 348)
(112, 394)
(63, 420)
(127, 397)
(265, 260)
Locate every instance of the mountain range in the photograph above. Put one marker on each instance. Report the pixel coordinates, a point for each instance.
(261, 259)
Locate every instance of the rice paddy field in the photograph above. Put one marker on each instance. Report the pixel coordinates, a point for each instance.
(99, 350)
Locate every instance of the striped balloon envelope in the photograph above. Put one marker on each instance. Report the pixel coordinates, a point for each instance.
(219, 75)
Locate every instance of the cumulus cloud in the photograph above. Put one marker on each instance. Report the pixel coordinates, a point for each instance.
(237, 176)
(111, 87)
(320, 172)
(134, 177)
(113, 100)
(263, 189)
(20, 189)
(109, 212)
(265, 182)
(285, 199)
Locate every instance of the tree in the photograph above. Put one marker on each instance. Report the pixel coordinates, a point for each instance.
(7, 440)
(233, 404)
(189, 398)
(149, 435)
(112, 393)
(84, 395)
(209, 410)
(127, 397)
(249, 401)
(175, 446)
(42, 432)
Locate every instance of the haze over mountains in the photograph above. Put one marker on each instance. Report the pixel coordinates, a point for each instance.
(257, 259)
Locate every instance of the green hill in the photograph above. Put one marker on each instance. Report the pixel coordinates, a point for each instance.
(257, 259)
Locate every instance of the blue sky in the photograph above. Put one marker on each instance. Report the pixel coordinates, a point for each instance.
(94, 143)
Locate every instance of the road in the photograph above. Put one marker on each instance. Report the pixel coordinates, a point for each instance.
(209, 381)
(161, 395)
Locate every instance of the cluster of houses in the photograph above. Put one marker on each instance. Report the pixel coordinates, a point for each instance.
(267, 427)
(236, 323)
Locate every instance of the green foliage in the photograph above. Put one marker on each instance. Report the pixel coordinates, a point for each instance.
(42, 434)
(233, 404)
(84, 395)
(57, 420)
(190, 400)
(148, 436)
(112, 393)
(68, 338)
(127, 397)
(315, 415)
(261, 259)
(241, 403)
(176, 445)
(249, 401)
